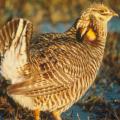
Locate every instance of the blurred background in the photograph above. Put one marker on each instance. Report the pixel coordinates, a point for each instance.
(102, 101)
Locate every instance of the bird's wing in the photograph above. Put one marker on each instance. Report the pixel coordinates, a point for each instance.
(36, 89)
(55, 76)
(56, 72)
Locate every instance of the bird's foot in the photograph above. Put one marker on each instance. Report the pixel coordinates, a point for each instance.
(56, 115)
(37, 114)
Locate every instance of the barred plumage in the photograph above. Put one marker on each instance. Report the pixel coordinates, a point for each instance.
(51, 71)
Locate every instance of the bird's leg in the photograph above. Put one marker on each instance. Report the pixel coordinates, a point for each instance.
(56, 115)
(37, 114)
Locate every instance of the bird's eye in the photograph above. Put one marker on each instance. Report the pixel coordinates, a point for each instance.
(102, 11)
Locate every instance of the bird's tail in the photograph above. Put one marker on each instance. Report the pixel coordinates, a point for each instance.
(11, 30)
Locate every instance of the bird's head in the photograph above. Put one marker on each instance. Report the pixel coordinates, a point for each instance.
(95, 16)
(101, 12)
(98, 12)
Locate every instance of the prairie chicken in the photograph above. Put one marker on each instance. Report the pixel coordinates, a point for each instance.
(51, 71)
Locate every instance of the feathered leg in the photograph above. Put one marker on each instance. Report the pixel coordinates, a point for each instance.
(37, 114)
(56, 115)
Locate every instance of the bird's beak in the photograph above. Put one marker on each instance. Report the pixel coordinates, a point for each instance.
(115, 14)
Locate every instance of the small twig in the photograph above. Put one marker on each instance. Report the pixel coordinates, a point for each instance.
(78, 116)
(116, 115)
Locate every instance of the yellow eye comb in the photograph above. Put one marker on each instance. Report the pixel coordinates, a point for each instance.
(91, 35)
